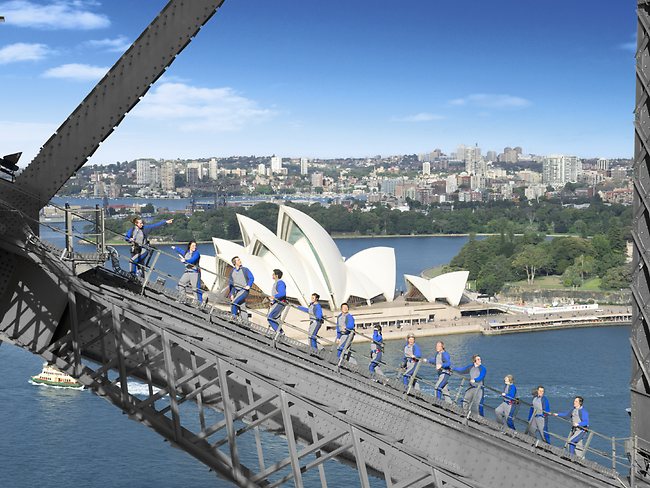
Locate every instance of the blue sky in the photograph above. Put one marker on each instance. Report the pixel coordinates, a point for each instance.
(334, 78)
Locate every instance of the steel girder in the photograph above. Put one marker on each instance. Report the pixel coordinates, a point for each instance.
(134, 345)
(108, 103)
(235, 370)
(640, 333)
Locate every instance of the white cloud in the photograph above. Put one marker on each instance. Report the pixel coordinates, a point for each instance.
(53, 15)
(201, 109)
(77, 72)
(419, 117)
(118, 45)
(22, 51)
(491, 100)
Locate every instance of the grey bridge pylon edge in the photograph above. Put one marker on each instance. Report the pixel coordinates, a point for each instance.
(219, 365)
(109, 101)
(640, 333)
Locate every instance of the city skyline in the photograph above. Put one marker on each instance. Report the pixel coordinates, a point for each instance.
(338, 80)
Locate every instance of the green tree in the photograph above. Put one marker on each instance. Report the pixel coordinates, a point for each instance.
(532, 259)
(493, 276)
(617, 278)
(571, 277)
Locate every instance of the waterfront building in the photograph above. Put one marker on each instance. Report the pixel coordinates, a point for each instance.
(310, 260)
(448, 287)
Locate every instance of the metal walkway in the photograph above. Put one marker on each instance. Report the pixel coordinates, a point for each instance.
(93, 323)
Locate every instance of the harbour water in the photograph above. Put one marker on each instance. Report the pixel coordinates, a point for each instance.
(54, 436)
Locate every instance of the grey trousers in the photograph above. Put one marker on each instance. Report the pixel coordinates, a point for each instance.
(538, 424)
(473, 400)
(189, 278)
(503, 413)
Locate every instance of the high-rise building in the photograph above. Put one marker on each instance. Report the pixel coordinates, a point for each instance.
(168, 176)
(276, 164)
(304, 166)
(142, 171)
(261, 169)
(154, 175)
(451, 184)
(193, 175)
(491, 156)
(426, 168)
(460, 152)
(510, 155)
(602, 164)
(317, 180)
(213, 169)
(558, 170)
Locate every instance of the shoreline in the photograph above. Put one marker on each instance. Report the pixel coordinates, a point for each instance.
(348, 236)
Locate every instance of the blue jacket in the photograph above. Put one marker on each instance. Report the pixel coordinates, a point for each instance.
(545, 405)
(416, 352)
(510, 394)
(281, 288)
(145, 228)
(446, 359)
(465, 370)
(377, 341)
(247, 273)
(318, 311)
(192, 263)
(582, 413)
(349, 325)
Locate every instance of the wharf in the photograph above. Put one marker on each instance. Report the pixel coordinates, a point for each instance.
(400, 318)
(526, 323)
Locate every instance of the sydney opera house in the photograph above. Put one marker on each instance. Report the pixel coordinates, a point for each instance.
(312, 263)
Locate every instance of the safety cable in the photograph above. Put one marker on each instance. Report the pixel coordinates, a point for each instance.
(389, 368)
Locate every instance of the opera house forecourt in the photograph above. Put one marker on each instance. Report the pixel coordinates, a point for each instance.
(312, 263)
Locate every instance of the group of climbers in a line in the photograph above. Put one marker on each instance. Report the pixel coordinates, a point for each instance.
(241, 280)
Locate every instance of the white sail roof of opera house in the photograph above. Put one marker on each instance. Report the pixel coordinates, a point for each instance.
(448, 286)
(309, 259)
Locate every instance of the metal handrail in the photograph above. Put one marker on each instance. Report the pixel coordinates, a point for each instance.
(616, 460)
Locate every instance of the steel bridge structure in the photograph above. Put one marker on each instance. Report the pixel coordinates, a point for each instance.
(244, 387)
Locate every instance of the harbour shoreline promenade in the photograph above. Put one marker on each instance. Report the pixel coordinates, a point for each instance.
(445, 321)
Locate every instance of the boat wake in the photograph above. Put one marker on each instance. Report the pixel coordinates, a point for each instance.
(139, 389)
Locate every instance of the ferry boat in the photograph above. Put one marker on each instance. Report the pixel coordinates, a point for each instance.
(53, 376)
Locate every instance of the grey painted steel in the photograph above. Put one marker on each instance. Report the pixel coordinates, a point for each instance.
(325, 409)
(235, 369)
(108, 103)
(640, 334)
